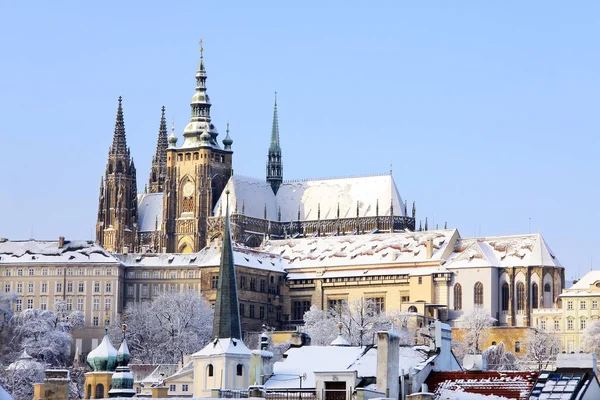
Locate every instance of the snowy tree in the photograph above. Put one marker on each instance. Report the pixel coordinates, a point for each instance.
(6, 300)
(591, 338)
(541, 347)
(476, 323)
(497, 358)
(19, 381)
(405, 324)
(47, 334)
(320, 325)
(360, 320)
(163, 331)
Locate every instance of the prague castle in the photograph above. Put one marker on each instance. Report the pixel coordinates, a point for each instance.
(181, 210)
(296, 243)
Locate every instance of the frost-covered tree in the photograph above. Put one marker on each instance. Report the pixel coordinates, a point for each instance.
(19, 381)
(405, 324)
(476, 323)
(497, 358)
(541, 347)
(163, 331)
(591, 338)
(47, 334)
(360, 320)
(6, 313)
(320, 325)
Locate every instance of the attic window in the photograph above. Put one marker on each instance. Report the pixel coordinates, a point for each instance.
(33, 257)
(247, 259)
(71, 257)
(192, 259)
(138, 259)
(171, 259)
(259, 261)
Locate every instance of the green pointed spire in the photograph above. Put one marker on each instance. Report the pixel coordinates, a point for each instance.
(226, 323)
(274, 162)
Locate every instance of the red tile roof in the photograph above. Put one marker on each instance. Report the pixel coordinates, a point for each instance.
(512, 385)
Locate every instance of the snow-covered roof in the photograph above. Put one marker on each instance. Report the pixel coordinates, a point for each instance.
(310, 196)
(47, 251)
(301, 360)
(507, 384)
(502, 251)
(150, 210)
(385, 248)
(187, 368)
(159, 373)
(223, 346)
(207, 257)
(584, 283)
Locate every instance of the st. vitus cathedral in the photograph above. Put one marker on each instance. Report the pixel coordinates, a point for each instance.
(182, 208)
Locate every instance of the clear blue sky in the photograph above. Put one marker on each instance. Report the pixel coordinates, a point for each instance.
(488, 112)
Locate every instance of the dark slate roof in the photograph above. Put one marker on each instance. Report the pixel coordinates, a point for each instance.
(512, 385)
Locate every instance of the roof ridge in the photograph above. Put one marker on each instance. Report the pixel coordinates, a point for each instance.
(335, 177)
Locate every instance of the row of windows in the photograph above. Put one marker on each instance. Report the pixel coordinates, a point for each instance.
(80, 304)
(57, 271)
(505, 294)
(156, 289)
(582, 305)
(196, 156)
(160, 275)
(44, 286)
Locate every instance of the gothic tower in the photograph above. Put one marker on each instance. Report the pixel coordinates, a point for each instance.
(274, 164)
(158, 171)
(197, 172)
(116, 229)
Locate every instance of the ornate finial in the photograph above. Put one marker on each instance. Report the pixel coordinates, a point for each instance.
(390, 168)
(227, 130)
(173, 126)
(275, 97)
(106, 324)
(124, 329)
(340, 326)
(201, 48)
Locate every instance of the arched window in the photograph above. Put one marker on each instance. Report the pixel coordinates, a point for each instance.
(505, 296)
(99, 391)
(240, 369)
(478, 294)
(517, 347)
(520, 296)
(412, 309)
(457, 297)
(547, 288)
(210, 370)
(534, 295)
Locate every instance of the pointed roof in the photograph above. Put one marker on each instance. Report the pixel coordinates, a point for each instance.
(226, 322)
(274, 147)
(161, 143)
(119, 145)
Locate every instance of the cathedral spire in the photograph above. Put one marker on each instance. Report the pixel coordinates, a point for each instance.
(274, 163)
(158, 170)
(119, 145)
(226, 323)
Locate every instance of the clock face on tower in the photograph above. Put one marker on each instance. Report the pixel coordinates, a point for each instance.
(188, 189)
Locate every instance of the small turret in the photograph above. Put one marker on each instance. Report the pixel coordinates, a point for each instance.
(122, 379)
(104, 357)
(227, 142)
(172, 138)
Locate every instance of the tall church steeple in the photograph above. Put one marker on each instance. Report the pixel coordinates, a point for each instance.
(226, 323)
(158, 171)
(116, 228)
(274, 163)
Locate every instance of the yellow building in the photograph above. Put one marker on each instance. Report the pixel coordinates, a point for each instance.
(579, 307)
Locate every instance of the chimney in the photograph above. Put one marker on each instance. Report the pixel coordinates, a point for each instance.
(429, 247)
(388, 366)
(125, 249)
(61, 242)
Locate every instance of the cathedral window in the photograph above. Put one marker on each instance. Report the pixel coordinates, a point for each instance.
(457, 297)
(520, 297)
(478, 293)
(505, 296)
(547, 288)
(188, 204)
(534, 295)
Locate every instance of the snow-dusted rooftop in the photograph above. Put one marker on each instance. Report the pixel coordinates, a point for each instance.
(301, 360)
(47, 251)
(311, 195)
(223, 346)
(150, 211)
(385, 248)
(207, 257)
(502, 251)
(584, 283)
